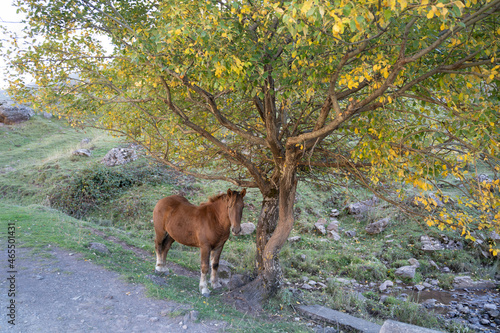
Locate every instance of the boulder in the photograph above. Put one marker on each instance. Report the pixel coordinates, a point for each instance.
(385, 285)
(334, 235)
(350, 233)
(362, 206)
(333, 226)
(82, 152)
(247, 229)
(391, 326)
(119, 156)
(414, 262)
(294, 239)
(98, 247)
(406, 272)
(319, 227)
(466, 282)
(430, 244)
(377, 227)
(10, 114)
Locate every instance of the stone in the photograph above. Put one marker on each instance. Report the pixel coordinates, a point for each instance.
(99, 248)
(385, 285)
(333, 226)
(430, 244)
(85, 141)
(334, 235)
(319, 227)
(405, 272)
(342, 321)
(334, 213)
(294, 239)
(414, 262)
(419, 287)
(119, 156)
(377, 227)
(391, 326)
(350, 233)
(82, 152)
(11, 114)
(47, 115)
(362, 206)
(433, 264)
(489, 307)
(247, 229)
(463, 282)
(307, 286)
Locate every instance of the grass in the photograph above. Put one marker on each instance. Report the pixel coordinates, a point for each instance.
(38, 171)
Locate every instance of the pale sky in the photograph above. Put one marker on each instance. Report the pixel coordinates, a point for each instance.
(10, 20)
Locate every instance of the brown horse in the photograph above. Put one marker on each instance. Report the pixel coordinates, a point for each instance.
(205, 226)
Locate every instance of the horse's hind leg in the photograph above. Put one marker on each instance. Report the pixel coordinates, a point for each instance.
(214, 262)
(162, 245)
(204, 254)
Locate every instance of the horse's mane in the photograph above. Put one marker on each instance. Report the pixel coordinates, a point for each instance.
(216, 197)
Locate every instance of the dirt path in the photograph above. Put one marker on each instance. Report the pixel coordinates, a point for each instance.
(57, 291)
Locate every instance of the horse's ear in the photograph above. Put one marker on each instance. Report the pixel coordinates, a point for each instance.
(243, 192)
(229, 192)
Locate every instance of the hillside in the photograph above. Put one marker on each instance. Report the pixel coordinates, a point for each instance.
(351, 270)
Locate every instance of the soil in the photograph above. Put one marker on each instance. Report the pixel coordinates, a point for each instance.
(58, 291)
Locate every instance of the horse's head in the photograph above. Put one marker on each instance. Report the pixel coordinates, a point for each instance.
(235, 209)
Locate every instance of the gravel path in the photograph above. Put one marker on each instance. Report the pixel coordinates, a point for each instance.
(57, 291)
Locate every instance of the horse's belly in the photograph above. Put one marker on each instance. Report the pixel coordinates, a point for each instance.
(185, 236)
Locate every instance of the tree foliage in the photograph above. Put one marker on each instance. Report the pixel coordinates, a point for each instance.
(253, 92)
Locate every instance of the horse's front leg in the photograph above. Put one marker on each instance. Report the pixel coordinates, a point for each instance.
(204, 254)
(214, 262)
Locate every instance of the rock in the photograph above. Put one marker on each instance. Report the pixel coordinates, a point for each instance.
(47, 115)
(391, 326)
(430, 244)
(247, 229)
(99, 248)
(494, 314)
(362, 206)
(351, 233)
(307, 286)
(377, 227)
(489, 307)
(433, 264)
(10, 114)
(319, 227)
(385, 285)
(429, 303)
(463, 308)
(333, 226)
(237, 280)
(119, 156)
(406, 272)
(484, 321)
(334, 235)
(462, 282)
(419, 287)
(224, 270)
(342, 281)
(294, 239)
(82, 152)
(445, 269)
(414, 262)
(85, 141)
(494, 236)
(334, 213)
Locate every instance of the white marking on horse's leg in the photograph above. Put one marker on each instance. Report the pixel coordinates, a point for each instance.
(214, 278)
(203, 285)
(160, 266)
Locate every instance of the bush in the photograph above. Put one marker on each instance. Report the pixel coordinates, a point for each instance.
(90, 188)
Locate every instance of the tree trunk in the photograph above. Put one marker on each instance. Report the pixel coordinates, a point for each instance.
(274, 226)
(268, 220)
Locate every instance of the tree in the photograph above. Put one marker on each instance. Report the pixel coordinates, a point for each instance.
(259, 92)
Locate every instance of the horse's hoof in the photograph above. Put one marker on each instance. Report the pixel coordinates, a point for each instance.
(161, 270)
(207, 294)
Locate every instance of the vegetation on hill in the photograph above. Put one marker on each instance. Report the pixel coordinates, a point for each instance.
(39, 173)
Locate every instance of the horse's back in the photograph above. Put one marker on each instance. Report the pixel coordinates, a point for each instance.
(174, 215)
